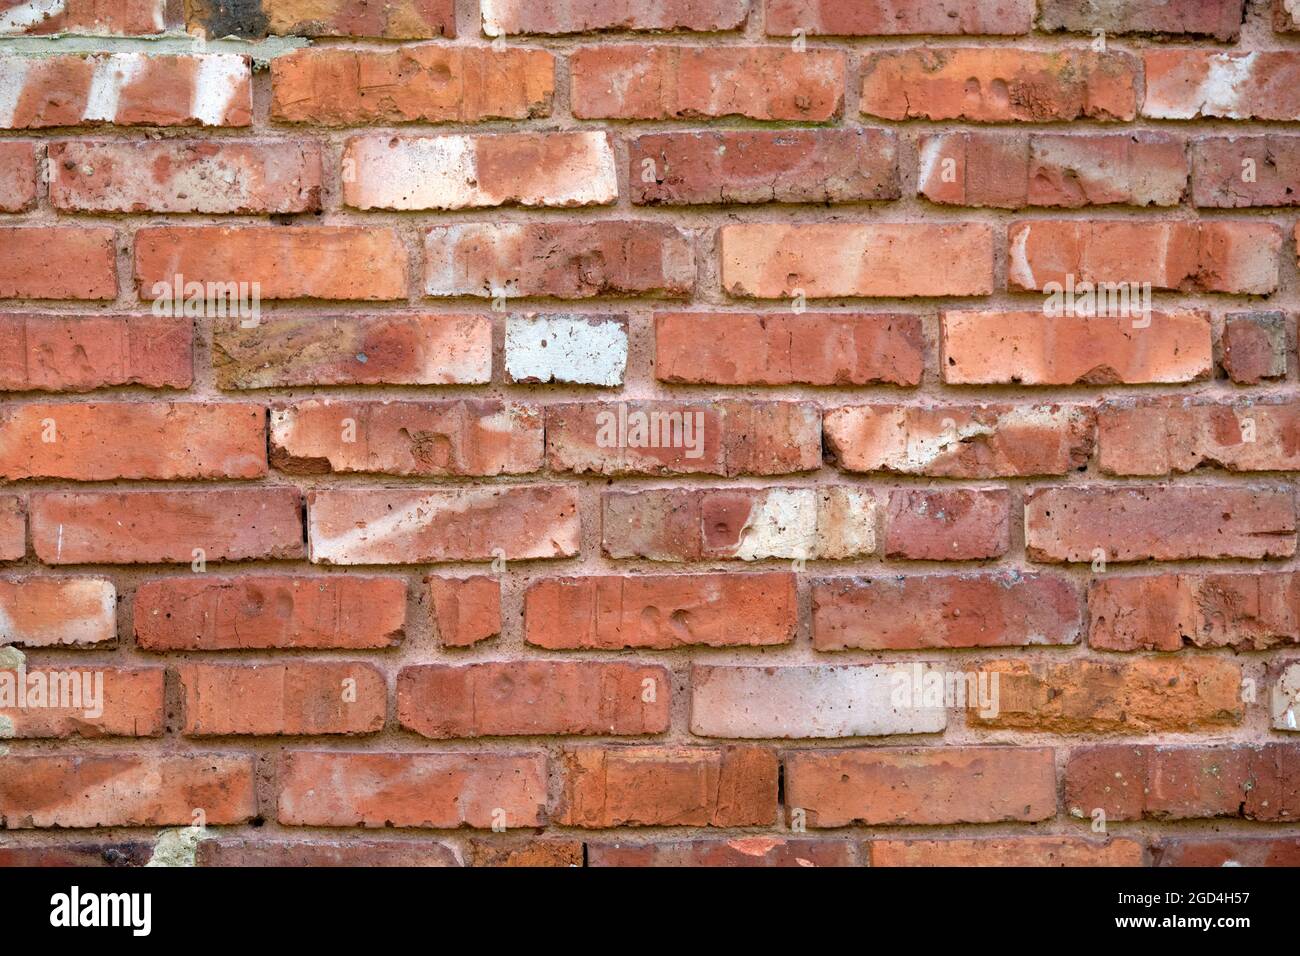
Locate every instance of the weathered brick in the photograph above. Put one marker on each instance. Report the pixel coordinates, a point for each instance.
(663, 438)
(80, 854)
(746, 348)
(1013, 170)
(85, 17)
(528, 852)
(285, 350)
(505, 17)
(1230, 172)
(1220, 19)
(960, 441)
(1159, 523)
(938, 785)
(512, 698)
(1184, 783)
(80, 701)
(661, 611)
(19, 172)
(58, 262)
(1135, 696)
(465, 610)
(126, 89)
(463, 172)
(1192, 84)
(744, 851)
(948, 525)
(101, 441)
(1284, 697)
(998, 85)
(1030, 348)
(1226, 851)
(567, 260)
(13, 527)
(458, 437)
(152, 527)
(1007, 851)
(1255, 346)
(441, 790)
(286, 262)
(886, 18)
(120, 790)
(688, 524)
(998, 609)
(379, 526)
(679, 82)
(1162, 612)
(268, 612)
(79, 353)
(825, 700)
(758, 166)
(1157, 437)
(421, 83)
(573, 349)
(394, 20)
(347, 851)
(334, 697)
(183, 176)
(838, 259)
(57, 612)
(668, 786)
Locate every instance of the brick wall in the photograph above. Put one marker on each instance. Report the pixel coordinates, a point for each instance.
(386, 569)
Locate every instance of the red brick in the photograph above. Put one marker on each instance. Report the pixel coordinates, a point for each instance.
(335, 697)
(1227, 851)
(1193, 84)
(463, 437)
(394, 20)
(999, 609)
(13, 528)
(694, 524)
(123, 790)
(885, 18)
(1007, 851)
(943, 525)
(758, 166)
(1013, 170)
(267, 612)
(77, 854)
(58, 262)
(442, 790)
(1161, 436)
(1221, 256)
(465, 610)
(838, 259)
(153, 527)
(347, 851)
(82, 701)
(79, 353)
(101, 441)
(514, 698)
(185, 176)
(504, 17)
(57, 612)
(747, 348)
(568, 260)
(130, 89)
(528, 852)
(425, 83)
(18, 175)
(379, 526)
(1184, 783)
(679, 82)
(664, 438)
(89, 17)
(661, 611)
(1162, 612)
(1135, 696)
(1159, 522)
(460, 172)
(960, 441)
(284, 350)
(287, 262)
(1255, 346)
(938, 785)
(1030, 348)
(668, 786)
(1220, 19)
(1231, 172)
(746, 851)
(998, 85)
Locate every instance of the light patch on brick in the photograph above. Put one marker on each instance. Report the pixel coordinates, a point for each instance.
(20, 18)
(574, 349)
(216, 82)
